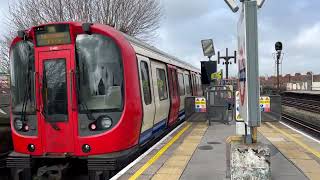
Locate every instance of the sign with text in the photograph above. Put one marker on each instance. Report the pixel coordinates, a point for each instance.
(238, 116)
(265, 103)
(200, 104)
(207, 47)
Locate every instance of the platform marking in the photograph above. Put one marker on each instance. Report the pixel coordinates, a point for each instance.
(1, 111)
(124, 170)
(159, 153)
(304, 134)
(311, 150)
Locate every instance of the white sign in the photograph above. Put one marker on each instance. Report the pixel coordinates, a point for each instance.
(242, 67)
(238, 116)
(207, 47)
(240, 128)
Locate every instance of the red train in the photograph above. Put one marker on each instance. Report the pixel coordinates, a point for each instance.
(89, 92)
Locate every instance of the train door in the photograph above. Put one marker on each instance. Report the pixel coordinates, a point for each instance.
(147, 97)
(161, 94)
(56, 107)
(187, 83)
(193, 85)
(174, 97)
(182, 90)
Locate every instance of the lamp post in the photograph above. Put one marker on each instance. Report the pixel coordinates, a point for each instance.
(226, 59)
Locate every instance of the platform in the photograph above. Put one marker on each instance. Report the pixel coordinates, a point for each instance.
(305, 92)
(198, 151)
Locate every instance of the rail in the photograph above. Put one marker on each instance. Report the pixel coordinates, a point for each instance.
(304, 104)
(310, 128)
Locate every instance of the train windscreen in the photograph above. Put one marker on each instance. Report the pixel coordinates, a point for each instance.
(100, 73)
(22, 79)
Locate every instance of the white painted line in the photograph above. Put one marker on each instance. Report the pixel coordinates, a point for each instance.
(124, 170)
(1, 111)
(306, 135)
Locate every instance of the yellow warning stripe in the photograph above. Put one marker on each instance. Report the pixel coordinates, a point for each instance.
(159, 153)
(306, 147)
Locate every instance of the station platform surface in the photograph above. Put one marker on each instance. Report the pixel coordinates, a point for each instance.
(316, 92)
(198, 151)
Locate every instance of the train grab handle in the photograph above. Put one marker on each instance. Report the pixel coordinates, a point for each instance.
(35, 78)
(71, 89)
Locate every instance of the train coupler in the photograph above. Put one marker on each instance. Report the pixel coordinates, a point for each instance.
(52, 172)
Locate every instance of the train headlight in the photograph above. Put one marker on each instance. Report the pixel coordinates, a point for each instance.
(18, 124)
(105, 122)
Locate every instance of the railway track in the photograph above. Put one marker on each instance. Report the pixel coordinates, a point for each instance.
(304, 104)
(310, 128)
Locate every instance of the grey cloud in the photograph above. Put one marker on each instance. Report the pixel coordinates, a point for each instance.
(187, 22)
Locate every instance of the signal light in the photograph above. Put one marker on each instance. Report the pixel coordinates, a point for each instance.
(93, 126)
(105, 122)
(86, 148)
(26, 128)
(31, 147)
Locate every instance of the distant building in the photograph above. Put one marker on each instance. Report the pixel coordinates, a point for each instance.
(297, 81)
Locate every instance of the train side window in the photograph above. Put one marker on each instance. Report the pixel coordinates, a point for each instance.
(187, 82)
(174, 82)
(145, 82)
(162, 84)
(181, 84)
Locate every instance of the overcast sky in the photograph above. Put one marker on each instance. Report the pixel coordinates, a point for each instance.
(294, 22)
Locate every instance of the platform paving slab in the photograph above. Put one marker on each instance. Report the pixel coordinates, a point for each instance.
(211, 164)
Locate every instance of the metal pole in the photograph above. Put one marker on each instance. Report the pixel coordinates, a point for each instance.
(278, 78)
(226, 59)
(227, 69)
(227, 64)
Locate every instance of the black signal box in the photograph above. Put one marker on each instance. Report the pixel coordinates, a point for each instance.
(207, 68)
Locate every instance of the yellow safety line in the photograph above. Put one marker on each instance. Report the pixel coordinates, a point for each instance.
(311, 150)
(159, 153)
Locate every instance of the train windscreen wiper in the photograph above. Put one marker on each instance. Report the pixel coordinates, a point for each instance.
(82, 103)
(27, 94)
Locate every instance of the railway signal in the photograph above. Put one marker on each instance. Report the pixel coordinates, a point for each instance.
(278, 56)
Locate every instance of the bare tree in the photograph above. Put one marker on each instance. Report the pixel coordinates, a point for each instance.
(4, 54)
(138, 18)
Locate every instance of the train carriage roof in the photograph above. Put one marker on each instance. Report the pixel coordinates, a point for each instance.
(154, 53)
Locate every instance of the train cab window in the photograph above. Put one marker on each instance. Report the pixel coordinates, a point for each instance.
(145, 82)
(162, 84)
(181, 84)
(99, 73)
(55, 90)
(187, 81)
(22, 77)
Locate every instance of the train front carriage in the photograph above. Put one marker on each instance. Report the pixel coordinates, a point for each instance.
(75, 93)
(88, 93)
